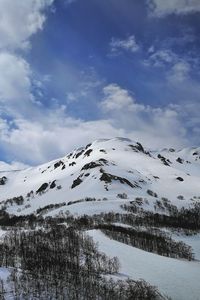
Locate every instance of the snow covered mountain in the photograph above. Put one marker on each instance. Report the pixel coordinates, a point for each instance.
(140, 205)
(111, 171)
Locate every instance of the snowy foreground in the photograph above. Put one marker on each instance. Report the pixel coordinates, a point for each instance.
(178, 279)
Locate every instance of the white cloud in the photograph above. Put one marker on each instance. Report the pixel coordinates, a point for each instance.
(117, 98)
(141, 121)
(179, 72)
(161, 8)
(159, 58)
(14, 77)
(128, 44)
(52, 138)
(177, 68)
(55, 134)
(52, 132)
(16, 98)
(19, 20)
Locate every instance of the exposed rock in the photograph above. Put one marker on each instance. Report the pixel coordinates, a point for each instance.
(180, 160)
(88, 152)
(58, 164)
(91, 165)
(107, 178)
(79, 153)
(180, 178)
(151, 193)
(76, 182)
(3, 180)
(88, 145)
(53, 184)
(102, 150)
(42, 188)
(164, 160)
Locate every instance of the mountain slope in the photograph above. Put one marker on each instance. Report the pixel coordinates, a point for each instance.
(140, 205)
(105, 170)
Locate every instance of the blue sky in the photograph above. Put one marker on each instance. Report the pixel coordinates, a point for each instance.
(76, 70)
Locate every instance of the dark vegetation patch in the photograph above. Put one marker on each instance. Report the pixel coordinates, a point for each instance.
(63, 263)
(11, 201)
(188, 219)
(72, 164)
(49, 207)
(87, 199)
(146, 234)
(151, 241)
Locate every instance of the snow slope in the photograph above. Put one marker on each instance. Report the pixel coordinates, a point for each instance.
(175, 278)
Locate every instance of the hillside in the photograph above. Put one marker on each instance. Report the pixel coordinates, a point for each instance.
(103, 170)
(140, 205)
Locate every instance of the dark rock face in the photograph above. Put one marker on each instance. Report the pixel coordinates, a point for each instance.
(102, 150)
(79, 153)
(107, 178)
(195, 153)
(88, 146)
(151, 193)
(88, 152)
(164, 160)
(179, 160)
(58, 164)
(91, 165)
(76, 182)
(139, 148)
(180, 178)
(43, 187)
(95, 164)
(53, 184)
(3, 180)
(72, 164)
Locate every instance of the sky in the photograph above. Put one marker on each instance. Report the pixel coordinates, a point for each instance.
(73, 71)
